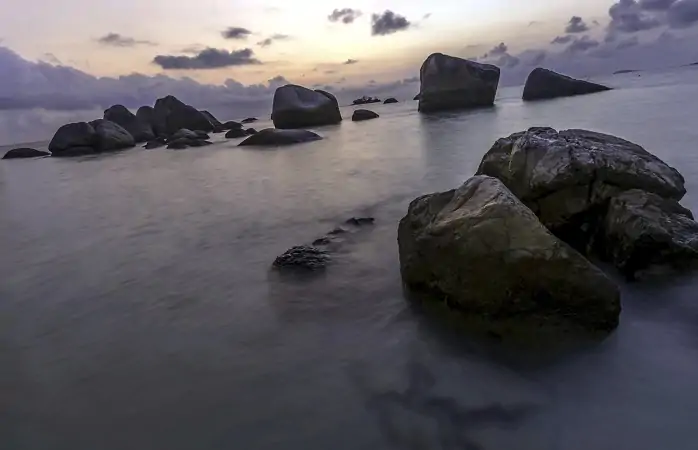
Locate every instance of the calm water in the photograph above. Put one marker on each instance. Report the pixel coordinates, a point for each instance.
(137, 309)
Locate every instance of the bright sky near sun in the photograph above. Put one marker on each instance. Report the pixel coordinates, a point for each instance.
(69, 29)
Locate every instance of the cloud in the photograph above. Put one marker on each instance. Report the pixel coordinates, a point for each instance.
(499, 49)
(236, 33)
(576, 25)
(345, 15)
(210, 58)
(627, 16)
(656, 5)
(388, 23)
(426, 16)
(330, 71)
(193, 49)
(410, 80)
(117, 40)
(508, 61)
(582, 45)
(566, 39)
(270, 40)
(683, 13)
(350, 61)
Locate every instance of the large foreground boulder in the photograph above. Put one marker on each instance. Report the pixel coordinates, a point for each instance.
(642, 230)
(544, 84)
(141, 130)
(562, 175)
(298, 107)
(111, 136)
(274, 137)
(363, 114)
(482, 251)
(448, 83)
(24, 152)
(170, 115)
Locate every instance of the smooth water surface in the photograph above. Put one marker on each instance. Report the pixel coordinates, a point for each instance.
(137, 308)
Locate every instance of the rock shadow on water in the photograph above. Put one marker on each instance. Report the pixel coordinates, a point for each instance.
(418, 418)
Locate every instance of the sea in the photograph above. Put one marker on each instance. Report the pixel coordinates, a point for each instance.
(138, 308)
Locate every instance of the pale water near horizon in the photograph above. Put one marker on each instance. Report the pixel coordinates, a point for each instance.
(137, 308)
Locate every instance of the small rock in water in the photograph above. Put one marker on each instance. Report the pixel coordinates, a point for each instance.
(303, 257)
(155, 143)
(359, 221)
(249, 120)
(202, 134)
(363, 114)
(24, 153)
(229, 125)
(184, 134)
(236, 133)
(338, 230)
(251, 131)
(389, 101)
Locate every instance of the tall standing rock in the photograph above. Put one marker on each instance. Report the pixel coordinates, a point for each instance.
(139, 129)
(448, 83)
(545, 84)
(146, 115)
(483, 252)
(298, 107)
(171, 115)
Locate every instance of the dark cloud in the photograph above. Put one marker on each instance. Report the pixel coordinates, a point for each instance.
(627, 16)
(566, 39)
(656, 5)
(576, 25)
(350, 61)
(117, 40)
(344, 15)
(388, 23)
(236, 33)
(210, 58)
(683, 13)
(499, 49)
(508, 61)
(582, 45)
(270, 40)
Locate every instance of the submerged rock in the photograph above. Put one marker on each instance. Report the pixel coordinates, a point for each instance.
(302, 257)
(642, 230)
(360, 221)
(236, 133)
(155, 143)
(483, 252)
(544, 84)
(251, 131)
(141, 130)
(231, 125)
(363, 114)
(390, 100)
(298, 107)
(276, 137)
(249, 120)
(24, 152)
(448, 83)
(365, 100)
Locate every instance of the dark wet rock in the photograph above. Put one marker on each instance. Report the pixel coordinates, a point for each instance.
(24, 152)
(276, 137)
(236, 133)
(360, 221)
(299, 107)
(568, 178)
(184, 134)
(642, 230)
(366, 100)
(390, 100)
(302, 257)
(75, 151)
(251, 131)
(363, 114)
(231, 125)
(338, 230)
(111, 136)
(544, 84)
(620, 72)
(249, 120)
(155, 143)
(217, 125)
(146, 115)
(140, 130)
(171, 115)
(417, 97)
(483, 252)
(202, 134)
(325, 240)
(450, 83)
(181, 143)
(78, 134)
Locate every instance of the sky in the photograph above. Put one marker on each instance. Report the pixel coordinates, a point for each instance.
(73, 55)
